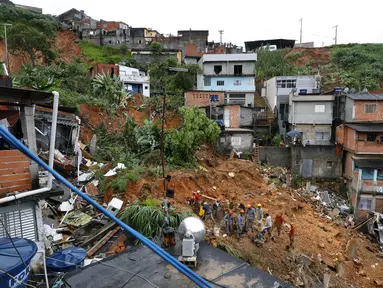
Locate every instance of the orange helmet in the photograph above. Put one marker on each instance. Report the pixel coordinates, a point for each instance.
(248, 206)
(231, 212)
(242, 211)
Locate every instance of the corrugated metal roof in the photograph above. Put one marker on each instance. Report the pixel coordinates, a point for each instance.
(366, 127)
(366, 96)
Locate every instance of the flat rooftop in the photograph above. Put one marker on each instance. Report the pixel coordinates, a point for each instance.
(213, 264)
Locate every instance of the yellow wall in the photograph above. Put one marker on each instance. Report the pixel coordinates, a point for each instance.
(150, 33)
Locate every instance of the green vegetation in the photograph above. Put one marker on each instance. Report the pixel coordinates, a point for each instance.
(31, 34)
(105, 54)
(360, 65)
(174, 84)
(271, 64)
(196, 129)
(147, 218)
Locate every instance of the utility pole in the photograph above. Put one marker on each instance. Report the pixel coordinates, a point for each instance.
(6, 45)
(336, 34)
(220, 35)
(301, 30)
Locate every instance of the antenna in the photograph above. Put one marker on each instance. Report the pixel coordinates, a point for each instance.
(336, 34)
(220, 35)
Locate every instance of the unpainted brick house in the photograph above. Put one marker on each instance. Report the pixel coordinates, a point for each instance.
(361, 137)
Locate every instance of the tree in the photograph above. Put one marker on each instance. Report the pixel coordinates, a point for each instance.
(27, 39)
(196, 129)
(109, 88)
(173, 84)
(156, 48)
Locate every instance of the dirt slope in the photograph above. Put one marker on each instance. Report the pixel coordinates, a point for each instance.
(247, 186)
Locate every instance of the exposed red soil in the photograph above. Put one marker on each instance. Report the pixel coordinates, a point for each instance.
(248, 187)
(316, 56)
(65, 43)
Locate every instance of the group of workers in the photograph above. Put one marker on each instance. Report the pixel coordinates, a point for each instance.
(247, 217)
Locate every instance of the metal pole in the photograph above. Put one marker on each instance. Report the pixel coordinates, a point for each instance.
(163, 140)
(336, 34)
(301, 30)
(6, 46)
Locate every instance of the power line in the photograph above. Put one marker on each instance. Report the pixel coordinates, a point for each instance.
(336, 34)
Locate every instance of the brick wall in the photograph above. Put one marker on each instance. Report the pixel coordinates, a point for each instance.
(371, 147)
(235, 115)
(340, 134)
(348, 173)
(202, 98)
(109, 26)
(379, 205)
(108, 69)
(360, 115)
(14, 172)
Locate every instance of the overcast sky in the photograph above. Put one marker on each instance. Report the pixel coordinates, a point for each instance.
(246, 20)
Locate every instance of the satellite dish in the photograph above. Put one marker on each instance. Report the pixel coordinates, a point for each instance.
(294, 90)
(364, 90)
(345, 91)
(352, 90)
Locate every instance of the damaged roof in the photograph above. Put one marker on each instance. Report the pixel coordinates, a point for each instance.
(141, 262)
(13, 96)
(366, 127)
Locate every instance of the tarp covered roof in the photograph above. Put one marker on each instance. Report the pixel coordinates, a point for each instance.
(375, 161)
(213, 264)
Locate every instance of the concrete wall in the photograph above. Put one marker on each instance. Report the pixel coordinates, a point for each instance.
(202, 98)
(304, 112)
(227, 143)
(325, 162)
(271, 92)
(310, 132)
(228, 67)
(231, 83)
(323, 159)
(246, 117)
(278, 156)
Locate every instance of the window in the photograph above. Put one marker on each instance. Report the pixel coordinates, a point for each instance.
(110, 41)
(287, 83)
(236, 141)
(365, 204)
(220, 83)
(371, 137)
(237, 82)
(329, 164)
(370, 108)
(139, 41)
(319, 108)
(217, 69)
(367, 174)
(322, 136)
(207, 81)
(146, 87)
(237, 69)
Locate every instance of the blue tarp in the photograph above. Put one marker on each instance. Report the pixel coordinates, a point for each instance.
(12, 265)
(66, 260)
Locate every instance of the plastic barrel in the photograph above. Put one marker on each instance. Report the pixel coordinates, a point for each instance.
(14, 271)
(66, 260)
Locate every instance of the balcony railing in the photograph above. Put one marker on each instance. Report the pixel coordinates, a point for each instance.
(229, 75)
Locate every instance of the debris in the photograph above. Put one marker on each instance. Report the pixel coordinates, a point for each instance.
(91, 189)
(378, 283)
(357, 261)
(112, 172)
(231, 174)
(326, 280)
(329, 240)
(114, 206)
(362, 273)
(77, 219)
(102, 242)
(351, 249)
(321, 245)
(85, 177)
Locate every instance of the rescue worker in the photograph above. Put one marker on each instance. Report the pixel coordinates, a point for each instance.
(291, 235)
(259, 215)
(241, 206)
(229, 220)
(166, 219)
(259, 238)
(269, 226)
(206, 208)
(278, 223)
(250, 216)
(165, 204)
(240, 223)
(215, 207)
(196, 196)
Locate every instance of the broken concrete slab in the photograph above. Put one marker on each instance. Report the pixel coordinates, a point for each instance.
(351, 249)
